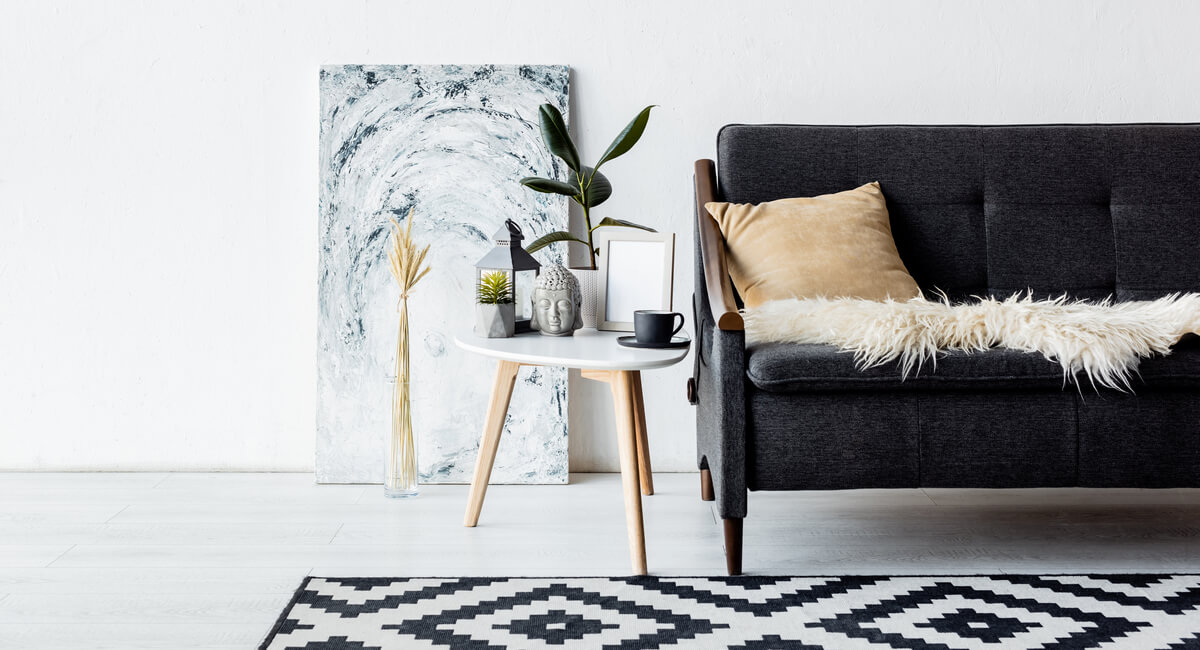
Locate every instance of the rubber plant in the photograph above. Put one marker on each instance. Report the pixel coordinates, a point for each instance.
(585, 185)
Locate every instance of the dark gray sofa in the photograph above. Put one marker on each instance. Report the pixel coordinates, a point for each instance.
(1087, 210)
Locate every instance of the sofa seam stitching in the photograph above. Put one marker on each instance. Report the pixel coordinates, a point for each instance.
(858, 180)
(987, 245)
(920, 447)
(1109, 142)
(1076, 399)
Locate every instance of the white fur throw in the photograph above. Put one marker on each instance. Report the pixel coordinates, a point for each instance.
(1105, 341)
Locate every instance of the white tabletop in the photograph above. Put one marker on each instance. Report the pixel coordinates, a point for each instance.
(588, 348)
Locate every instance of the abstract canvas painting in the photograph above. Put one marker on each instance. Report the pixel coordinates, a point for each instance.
(450, 143)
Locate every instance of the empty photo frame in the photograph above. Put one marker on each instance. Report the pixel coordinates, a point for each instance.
(636, 272)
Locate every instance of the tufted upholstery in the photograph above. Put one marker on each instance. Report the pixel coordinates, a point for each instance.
(1087, 210)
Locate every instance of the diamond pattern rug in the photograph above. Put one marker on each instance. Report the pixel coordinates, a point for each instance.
(745, 612)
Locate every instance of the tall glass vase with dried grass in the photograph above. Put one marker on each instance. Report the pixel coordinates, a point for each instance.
(406, 263)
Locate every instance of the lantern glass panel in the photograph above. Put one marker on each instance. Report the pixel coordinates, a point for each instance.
(523, 284)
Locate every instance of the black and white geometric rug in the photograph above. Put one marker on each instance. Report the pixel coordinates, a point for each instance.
(1002, 611)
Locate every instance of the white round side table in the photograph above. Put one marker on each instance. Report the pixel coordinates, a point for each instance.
(600, 358)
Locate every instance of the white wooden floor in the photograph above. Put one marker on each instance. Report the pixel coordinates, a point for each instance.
(209, 560)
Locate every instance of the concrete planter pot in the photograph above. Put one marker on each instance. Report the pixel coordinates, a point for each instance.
(495, 321)
(589, 286)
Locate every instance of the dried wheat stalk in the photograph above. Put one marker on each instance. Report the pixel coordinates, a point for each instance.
(406, 264)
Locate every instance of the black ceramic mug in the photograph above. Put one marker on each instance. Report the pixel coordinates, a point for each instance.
(655, 327)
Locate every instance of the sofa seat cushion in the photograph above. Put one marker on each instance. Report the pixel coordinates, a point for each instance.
(800, 367)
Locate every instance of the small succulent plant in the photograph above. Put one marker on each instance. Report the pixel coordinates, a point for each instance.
(494, 289)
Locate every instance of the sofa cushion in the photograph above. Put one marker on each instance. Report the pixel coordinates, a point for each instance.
(1139, 440)
(832, 440)
(998, 439)
(796, 367)
(833, 245)
(1155, 209)
(1047, 211)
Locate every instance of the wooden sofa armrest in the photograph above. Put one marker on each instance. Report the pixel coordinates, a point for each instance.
(712, 252)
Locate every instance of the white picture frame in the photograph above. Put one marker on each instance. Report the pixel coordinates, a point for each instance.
(637, 271)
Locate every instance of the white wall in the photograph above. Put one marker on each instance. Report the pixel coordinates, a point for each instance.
(158, 175)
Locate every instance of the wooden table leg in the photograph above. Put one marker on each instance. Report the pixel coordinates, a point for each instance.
(643, 444)
(493, 426)
(625, 410)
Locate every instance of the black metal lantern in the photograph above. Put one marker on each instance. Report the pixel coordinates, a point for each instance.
(521, 268)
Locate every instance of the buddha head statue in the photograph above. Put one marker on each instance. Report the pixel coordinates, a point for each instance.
(556, 302)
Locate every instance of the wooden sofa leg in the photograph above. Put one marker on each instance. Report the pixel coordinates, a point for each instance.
(733, 546)
(706, 486)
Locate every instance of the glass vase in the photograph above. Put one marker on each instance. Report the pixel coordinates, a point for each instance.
(401, 481)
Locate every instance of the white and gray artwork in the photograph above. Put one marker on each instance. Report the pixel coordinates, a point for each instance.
(450, 142)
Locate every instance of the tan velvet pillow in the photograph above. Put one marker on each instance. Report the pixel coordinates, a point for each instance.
(834, 245)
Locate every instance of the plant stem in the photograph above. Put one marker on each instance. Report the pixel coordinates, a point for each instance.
(587, 223)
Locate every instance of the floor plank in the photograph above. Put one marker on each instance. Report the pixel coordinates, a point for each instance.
(212, 494)
(503, 534)
(82, 481)
(173, 533)
(162, 580)
(36, 555)
(403, 558)
(258, 480)
(136, 636)
(133, 609)
(33, 510)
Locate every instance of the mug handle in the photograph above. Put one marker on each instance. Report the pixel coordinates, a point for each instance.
(680, 326)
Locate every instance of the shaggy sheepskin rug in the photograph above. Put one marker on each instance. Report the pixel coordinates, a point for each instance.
(1102, 341)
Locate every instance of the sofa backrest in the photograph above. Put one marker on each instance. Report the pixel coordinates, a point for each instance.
(1086, 210)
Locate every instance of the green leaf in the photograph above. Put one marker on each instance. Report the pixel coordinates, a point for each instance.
(545, 240)
(549, 186)
(597, 189)
(609, 221)
(627, 138)
(556, 137)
